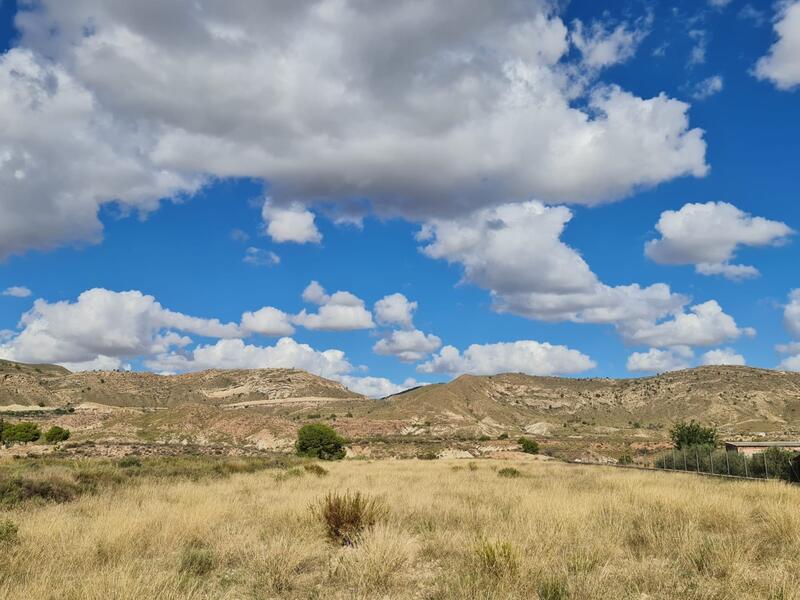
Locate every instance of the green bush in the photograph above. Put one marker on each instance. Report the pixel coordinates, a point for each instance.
(196, 560)
(56, 434)
(686, 435)
(317, 440)
(346, 516)
(502, 436)
(509, 472)
(21, 433)
(427, 456)
(625, 459)
(128, 462)
(529, 446)
(8, 532)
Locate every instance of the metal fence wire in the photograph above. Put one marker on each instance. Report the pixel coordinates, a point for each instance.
(773, 463)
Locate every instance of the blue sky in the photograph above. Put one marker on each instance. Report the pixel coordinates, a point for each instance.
(175, 141)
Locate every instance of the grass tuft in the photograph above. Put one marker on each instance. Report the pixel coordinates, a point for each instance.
(346, 516)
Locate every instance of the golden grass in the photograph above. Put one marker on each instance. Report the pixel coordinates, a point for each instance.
(556, 532)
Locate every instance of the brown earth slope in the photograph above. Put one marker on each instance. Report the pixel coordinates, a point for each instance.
(48, 385)
(740, 397)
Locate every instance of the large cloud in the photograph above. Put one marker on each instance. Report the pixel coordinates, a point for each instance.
(104, 325)
(707, 235)
(61, 157)
(408, 345)
(526, 356)
(235, 354)
(782, 65)
(425, 108)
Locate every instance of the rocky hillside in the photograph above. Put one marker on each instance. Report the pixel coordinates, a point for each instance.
(48, 385)
(741, 397)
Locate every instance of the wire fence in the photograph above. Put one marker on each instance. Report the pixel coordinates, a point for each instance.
(773, 463)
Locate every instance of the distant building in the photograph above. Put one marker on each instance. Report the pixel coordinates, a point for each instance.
(750, 448)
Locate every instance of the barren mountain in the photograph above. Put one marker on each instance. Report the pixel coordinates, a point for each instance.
(743, 398)
(49, 385)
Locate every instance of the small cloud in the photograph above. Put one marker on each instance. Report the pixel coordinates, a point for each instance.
(719, 4)
(17, 291)
(239, 236)
(698, 53)
(751, 13)
(259, 257)
(708, 87)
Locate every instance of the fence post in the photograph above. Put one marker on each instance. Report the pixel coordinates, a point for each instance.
(728, 462)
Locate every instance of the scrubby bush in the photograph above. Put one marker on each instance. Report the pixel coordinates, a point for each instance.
(196, 560)
(625, 459)
(20, 433)
(427, 456)
(509, 472)
(8, 532)
(346, 516)
(496, 559)
(316, 469)
(686, 435)
(529, 446)
(129, 462)
(502, 436)
(317, 440)
(56, 434)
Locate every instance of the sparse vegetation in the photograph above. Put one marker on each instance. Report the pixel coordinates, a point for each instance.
(562, 531)
(509, 472)
(321, 441)
(56, 434)
(8, 532)
(316, 469)
(346, 516)
(686, 435)
(528, 445)
(20, 433)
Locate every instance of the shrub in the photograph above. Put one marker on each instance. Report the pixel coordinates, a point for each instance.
(427, 456)
(502, 436)
(56, 434)
(21, 433)
(484, 438)
(196, 560)
(685, 435)
(128, 462)
(8, 532)
(625, 459)
(316, 469)
(529, 446)
(317, 440)
(346, 516)
(497, 559)
(509, 472)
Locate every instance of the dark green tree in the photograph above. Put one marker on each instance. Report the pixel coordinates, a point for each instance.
(56, 434)
(318, 440)
(686, 435)
(21, 433)
(529, 446)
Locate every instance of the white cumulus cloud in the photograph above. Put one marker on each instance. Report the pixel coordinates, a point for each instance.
(267, 321)
(723, 356)
(707, 236)
(781, 65)
(395, 309)
(408, 345)
(526, 356)
(427, 109)
(341, 311)
(659, 361)
(292, 223)
(17, 291)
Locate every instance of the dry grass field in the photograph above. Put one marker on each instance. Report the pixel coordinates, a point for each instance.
(450, 529)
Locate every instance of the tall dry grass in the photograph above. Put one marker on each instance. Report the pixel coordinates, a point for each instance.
(557, 531)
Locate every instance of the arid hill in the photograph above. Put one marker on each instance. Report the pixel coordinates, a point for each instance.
(48, 385)
(743, 398)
